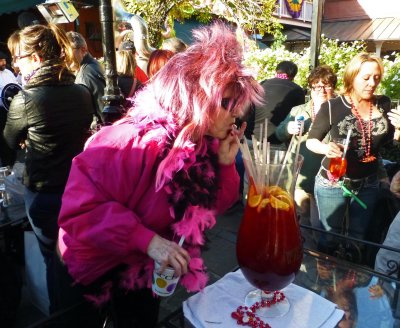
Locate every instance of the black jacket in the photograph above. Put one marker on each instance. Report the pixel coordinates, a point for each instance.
(53, 121)
(91, 75)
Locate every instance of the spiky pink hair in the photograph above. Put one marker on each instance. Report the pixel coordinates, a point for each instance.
(191, 85)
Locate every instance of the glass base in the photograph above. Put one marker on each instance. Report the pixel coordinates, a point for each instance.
(274, 311)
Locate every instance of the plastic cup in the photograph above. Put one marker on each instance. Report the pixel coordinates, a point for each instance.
(164, 283)
(338, 165)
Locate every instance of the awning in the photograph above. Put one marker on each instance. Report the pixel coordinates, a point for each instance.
(378, 29)
(293, 34)
(9, 6)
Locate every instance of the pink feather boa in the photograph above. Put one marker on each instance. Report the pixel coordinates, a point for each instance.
(195, 220)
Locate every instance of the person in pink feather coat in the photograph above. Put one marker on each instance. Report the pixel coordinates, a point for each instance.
(164, 171)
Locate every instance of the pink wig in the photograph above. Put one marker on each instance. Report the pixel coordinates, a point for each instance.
(190, 87)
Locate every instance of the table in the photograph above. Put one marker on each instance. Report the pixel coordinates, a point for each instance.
(368, 298)
(11, 215)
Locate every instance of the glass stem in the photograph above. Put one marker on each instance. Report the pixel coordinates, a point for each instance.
(267, 295)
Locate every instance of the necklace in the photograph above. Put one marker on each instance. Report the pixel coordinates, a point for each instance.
(313, 113)
(366, 129)
(245, 316)
(282, 76)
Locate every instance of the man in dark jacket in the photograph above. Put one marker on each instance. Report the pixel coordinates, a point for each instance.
(281, 94)
(89, 72)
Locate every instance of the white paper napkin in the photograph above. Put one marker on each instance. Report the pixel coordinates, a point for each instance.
(213, 306)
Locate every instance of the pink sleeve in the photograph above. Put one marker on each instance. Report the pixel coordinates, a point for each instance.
(97, 202)
(228, 192)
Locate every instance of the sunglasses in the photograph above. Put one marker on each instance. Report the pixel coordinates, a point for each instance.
(228, 103)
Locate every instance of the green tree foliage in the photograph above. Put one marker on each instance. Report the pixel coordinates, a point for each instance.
(250, 15)
(332, 53)
(390, 84)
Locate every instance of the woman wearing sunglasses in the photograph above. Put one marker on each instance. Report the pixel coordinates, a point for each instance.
(161, 173)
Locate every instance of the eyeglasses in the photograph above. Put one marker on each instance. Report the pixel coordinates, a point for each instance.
(15, 58)
(228, 103)
(320, 87)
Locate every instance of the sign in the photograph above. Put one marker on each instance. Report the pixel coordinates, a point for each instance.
(294, 7)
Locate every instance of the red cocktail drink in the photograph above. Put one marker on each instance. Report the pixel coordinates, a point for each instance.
(269, 246)
(337, 167)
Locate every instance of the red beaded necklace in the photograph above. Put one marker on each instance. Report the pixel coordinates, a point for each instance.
(313, 113)
(366, 131)
(245, 316)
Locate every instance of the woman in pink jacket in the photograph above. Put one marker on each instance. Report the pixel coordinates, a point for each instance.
(162, 172)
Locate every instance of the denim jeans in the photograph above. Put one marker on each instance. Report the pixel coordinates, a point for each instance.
(332, 204)
(42, 210)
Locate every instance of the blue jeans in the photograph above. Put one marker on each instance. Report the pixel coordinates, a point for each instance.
(332, 205)
(42, 210)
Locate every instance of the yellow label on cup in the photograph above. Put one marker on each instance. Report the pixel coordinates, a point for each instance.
(164, 283)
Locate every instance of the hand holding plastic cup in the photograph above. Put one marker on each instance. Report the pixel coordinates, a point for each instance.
(338, 165)
(164, 283)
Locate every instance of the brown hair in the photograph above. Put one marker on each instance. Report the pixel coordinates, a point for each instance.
(48, 41)
(322, 73)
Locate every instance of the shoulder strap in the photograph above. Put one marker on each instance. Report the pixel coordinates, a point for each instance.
(330, 119)
(330, 114)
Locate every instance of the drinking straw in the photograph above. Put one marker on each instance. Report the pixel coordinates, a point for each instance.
(252, 171)
(181, 240)
(261, 136)
(264, 149)
(257, 160)
(264, 164)
(247, 160)
(255, 148)
(347, 192)
(266, 129)
(285, 159)
(346, 144)
(268, 161)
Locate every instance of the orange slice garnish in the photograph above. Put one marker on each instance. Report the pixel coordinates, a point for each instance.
(279, 204)
(263, 204)
(252, 190)
(275, 190)
(254, 200)
(285, 198)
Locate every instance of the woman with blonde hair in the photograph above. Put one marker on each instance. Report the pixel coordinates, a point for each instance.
(363, 113)
(127, 81)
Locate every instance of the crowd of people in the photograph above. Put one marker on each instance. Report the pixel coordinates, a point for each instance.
(106, 203)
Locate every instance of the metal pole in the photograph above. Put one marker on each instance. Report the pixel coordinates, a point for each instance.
(318, 8)
(112, 98)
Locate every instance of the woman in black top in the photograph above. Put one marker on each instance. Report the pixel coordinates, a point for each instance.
(358, 109)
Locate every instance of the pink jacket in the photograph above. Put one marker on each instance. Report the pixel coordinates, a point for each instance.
(111, 210)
